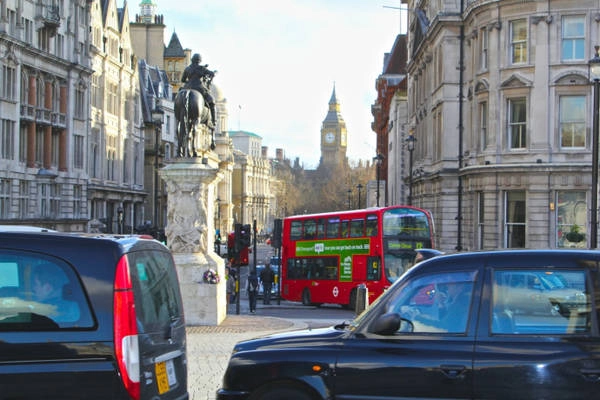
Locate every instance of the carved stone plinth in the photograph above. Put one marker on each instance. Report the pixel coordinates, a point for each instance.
(191, 190)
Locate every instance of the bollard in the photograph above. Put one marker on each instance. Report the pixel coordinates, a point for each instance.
(362, 298)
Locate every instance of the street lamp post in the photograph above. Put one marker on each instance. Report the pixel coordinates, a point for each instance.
(120, 219)
(378, 159)
(594, 75)
(218, 226)
(410, 144)
(157, 119)
(359, 187)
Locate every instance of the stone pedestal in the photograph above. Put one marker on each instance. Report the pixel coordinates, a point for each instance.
(190, 231)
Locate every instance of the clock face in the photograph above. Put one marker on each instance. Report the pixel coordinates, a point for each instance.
(329, 137)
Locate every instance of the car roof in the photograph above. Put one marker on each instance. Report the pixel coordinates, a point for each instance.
(507, 257)
(24, 228)
(123, 241)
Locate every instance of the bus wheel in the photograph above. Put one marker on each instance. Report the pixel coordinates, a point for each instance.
(306, 298)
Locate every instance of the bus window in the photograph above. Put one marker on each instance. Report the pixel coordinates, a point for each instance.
(310, 229)
(313, 268)
(372, 225)
(296, 230)
(320, 228)
(333, 228)
(357, 228)
(344, 226)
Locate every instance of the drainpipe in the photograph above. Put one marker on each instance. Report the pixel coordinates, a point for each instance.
(461, 69)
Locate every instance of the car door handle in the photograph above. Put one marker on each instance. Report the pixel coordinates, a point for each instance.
(590, 374)
(453, 371)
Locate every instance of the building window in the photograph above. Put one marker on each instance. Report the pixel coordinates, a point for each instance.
(12, 21)
(28, 24)
(517, 123)
(24, 199)
(111, 157)
(483, 54)
(514, 219)
(49, 200)
(480, 219)
(44, 39)
(571, 219)
(23, 143)
(77, 201)
(125, 165)
(4, 198)
(80, 102)
(112, 98)
(95, 162)
(573, 38)
(55, 148)
(518, 41)
(8, 83)
(7, 139)
(483, 124)
(572, 121)
(39, 145)
(78, 152)
(59, 45)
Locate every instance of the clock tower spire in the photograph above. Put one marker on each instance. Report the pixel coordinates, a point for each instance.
(333, 134)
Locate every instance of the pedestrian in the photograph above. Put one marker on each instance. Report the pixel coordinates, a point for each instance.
(252, 289)
(230, 284)
(267, 277)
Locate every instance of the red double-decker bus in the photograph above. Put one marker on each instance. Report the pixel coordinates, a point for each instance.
(325, 257)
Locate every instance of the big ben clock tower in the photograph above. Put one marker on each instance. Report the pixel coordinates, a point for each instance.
(333, 135)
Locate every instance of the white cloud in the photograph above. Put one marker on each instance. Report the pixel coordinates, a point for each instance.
(279, 60)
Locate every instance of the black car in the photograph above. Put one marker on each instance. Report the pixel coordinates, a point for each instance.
(451, 327)
(89, 316)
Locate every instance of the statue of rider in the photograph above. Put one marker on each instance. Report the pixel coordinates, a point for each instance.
(199, 77)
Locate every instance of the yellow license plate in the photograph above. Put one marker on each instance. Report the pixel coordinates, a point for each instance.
(162, 380)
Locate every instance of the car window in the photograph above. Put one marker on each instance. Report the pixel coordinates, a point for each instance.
(540, 302)
(435, 303)
(40, 293)
(157, 297)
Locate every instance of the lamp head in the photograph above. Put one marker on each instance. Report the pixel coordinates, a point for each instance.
(594, 66)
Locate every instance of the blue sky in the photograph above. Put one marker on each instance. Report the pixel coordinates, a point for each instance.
(277, 62)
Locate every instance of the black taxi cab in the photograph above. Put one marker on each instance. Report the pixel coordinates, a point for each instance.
(498, 324)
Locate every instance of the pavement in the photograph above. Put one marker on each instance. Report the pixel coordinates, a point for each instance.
(209, 347)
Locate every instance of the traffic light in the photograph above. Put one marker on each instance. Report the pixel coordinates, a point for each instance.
(277, 228)
(231, 246)
(246, 235)
(238, 238)
(238, 243)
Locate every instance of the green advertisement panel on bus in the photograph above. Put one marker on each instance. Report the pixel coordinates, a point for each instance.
(344, 248)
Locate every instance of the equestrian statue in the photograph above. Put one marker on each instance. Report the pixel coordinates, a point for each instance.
(194, 105)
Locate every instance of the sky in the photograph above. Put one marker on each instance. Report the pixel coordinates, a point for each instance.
(277, 62)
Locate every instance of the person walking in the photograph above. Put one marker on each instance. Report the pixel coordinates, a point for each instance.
(267, 277)
(252, 289)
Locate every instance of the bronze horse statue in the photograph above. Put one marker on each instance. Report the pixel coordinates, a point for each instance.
(191, 109)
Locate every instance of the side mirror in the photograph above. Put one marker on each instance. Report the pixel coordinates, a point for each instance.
(386, 324)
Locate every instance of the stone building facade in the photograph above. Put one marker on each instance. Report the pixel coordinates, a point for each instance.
(500, 103)
(251, 181)
(44, 113)
(116, 141)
